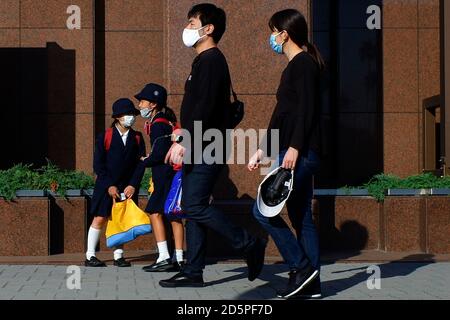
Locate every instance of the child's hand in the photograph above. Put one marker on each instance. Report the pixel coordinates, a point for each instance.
(175, 154)
(114, 192)
(129, 191)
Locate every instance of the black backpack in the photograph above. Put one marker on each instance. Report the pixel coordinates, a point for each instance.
(237, 110)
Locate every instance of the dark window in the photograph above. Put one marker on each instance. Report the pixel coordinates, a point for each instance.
(352, 93)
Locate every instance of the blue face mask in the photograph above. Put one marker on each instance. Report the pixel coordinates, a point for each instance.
(278, 48)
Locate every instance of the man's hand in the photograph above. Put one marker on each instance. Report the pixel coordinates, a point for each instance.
(255, 160)
(129, 191)
(175, 154)
(114, 192)
(290, 159)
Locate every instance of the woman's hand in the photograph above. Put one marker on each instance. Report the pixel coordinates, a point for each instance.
(255, 160)
(290, 159)
(114, 192)
(143, 158)
(175, 154)
(129, 191)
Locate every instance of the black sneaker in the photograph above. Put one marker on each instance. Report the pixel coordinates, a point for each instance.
(183, 280)
(255, 258)
(94, 262)
(298, 280)
(159, 266)
(312, 291)
(122, 263)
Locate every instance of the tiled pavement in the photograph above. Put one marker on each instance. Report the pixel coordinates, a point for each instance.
(405, 280)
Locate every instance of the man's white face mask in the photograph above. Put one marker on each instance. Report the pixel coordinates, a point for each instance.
(192, 36)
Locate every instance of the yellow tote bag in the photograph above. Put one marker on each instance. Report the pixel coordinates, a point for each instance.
(127, 222)
(151, 186)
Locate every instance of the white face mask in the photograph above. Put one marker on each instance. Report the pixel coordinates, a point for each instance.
(128, 121)
(146, 113)
(192, 36)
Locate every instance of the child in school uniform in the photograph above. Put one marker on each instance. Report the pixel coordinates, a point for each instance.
(116, 158)
(153, 106)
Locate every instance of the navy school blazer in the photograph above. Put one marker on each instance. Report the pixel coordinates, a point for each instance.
(160, 147)
(118, 166)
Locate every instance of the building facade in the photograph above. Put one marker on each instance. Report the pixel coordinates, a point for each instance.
(58, 84)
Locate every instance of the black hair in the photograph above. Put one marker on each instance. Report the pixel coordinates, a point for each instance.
(169, 114)
(294, 23)
(210, 14)
(113, 124)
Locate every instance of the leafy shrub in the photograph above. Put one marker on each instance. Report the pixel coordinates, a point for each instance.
(146, 179)
(49, 177)
(379, 184)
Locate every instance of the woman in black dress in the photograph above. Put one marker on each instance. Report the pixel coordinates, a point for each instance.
(153, 106)
(116, 164)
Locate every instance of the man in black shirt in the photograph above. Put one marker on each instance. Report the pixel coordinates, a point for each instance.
(207, 100)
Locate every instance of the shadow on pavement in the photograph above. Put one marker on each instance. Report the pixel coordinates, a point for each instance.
(270, 274)
(397, 268)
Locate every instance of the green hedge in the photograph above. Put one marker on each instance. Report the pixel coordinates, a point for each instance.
(49, 177)
(146, 179)
(379, 184)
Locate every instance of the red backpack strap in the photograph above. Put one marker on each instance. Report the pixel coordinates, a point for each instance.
(108, 138)
(147, 126)
(138, 138)
(163, 120)
(176, 126)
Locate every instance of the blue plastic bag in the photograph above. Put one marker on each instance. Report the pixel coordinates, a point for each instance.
(172, 206)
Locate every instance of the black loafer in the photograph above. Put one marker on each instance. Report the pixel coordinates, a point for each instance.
(159, 266)
(122, 263)
(255, 258)
(94, 263)
(183, 280)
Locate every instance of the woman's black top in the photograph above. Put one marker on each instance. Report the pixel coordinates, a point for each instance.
(297, 113)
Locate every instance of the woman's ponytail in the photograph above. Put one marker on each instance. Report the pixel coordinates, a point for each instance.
(314, 52)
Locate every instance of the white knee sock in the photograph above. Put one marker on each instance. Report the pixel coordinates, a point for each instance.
(163, 251)
(178, 256)
(93, 238)
(118, 253)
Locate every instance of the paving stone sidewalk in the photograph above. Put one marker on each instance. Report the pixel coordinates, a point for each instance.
(225, 281)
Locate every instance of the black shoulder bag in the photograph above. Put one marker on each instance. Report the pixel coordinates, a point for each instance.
(237, 110)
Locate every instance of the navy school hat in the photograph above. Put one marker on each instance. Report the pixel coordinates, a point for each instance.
(154, 93)
(124, 106)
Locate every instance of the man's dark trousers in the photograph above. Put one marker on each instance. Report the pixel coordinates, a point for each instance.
(198, 182)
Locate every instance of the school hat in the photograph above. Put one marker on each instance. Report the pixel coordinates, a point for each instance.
(154, 93)
(124, 106)
(274, 191)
